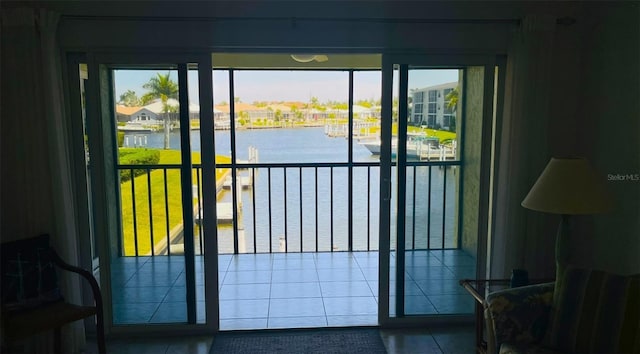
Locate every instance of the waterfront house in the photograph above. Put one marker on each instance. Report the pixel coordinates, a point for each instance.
(136, 114)
(243, 111)
(283, 111)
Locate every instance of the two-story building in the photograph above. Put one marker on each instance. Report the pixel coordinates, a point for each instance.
(431, 106)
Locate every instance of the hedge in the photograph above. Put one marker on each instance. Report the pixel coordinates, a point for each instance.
(120, 139)
(136, 157)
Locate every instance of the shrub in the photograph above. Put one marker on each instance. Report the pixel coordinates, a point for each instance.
(136, 157)
(120, 138)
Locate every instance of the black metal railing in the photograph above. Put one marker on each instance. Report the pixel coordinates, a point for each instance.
(288, 207)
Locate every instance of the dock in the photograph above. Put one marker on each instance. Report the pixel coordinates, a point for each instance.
(361, 129)
(440, 154)
(224, 211)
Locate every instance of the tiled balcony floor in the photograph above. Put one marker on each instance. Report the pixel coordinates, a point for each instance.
(291, 290)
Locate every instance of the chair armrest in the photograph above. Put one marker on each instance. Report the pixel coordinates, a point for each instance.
(518, 315)
(97, 296)
(95, 289)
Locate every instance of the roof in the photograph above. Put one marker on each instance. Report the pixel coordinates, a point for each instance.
(440, 86)
(296, 104)
(360, 109)
(157, 107)
(126, 110)
(281, 107)
(238, 106)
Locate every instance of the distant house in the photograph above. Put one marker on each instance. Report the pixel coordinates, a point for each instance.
(286, 111)
(158, 107)
(359, 112)
(252, 112)
(430, 106)
(135, 114)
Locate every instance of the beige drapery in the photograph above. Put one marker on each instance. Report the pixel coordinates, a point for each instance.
(37, 186)
(523, 238)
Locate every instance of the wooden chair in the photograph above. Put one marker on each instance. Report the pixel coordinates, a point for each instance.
(24, 318)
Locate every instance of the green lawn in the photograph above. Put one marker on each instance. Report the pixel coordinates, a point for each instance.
(157, 179)
(443, 135)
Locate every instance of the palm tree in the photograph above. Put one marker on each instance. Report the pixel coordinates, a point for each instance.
(452, 104)
(315, 103)
(162, 87)
(129, 99)
(452, 98)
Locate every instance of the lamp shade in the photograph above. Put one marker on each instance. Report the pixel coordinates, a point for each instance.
(569, 186)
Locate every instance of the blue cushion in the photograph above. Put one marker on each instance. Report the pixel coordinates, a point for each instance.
(29, 277)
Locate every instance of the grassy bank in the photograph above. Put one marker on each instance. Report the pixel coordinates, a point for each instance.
(156, 179)
(442, 135)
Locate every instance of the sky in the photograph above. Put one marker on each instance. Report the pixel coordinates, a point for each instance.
(282, 85)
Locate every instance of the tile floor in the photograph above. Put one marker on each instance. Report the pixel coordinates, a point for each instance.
(292, 290)
(436, 340)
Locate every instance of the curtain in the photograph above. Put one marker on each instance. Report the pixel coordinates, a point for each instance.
(37, 186)
(523, 238)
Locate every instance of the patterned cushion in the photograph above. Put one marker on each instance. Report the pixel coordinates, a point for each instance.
(596, 312)
(28, 274)
(511, 348)
(520, 315)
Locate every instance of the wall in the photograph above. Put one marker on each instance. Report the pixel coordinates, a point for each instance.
(609, 131)
(472, 145)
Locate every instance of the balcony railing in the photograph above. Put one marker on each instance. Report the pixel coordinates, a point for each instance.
(287, 207)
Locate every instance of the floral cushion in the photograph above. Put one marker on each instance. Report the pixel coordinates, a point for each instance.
(592, 312)
(520, 315)
(511, 348)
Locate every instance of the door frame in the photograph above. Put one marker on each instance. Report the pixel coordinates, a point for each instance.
(435, 61)
(99, 104)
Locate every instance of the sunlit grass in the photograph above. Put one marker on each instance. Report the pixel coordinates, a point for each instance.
(159, 213)
(442, 135)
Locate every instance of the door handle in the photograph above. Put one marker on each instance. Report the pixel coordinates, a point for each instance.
(387, 192)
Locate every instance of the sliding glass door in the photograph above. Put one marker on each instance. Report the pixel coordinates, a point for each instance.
(154, 148)
(435, 145)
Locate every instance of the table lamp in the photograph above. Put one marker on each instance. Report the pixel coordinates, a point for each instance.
(568, 186)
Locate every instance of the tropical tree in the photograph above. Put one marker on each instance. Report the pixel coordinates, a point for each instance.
(129, 99)
(278, 115)
(315, 103)
(452, 99)
(452, 104)
(244, 118)
(296, 113)
(341, 105)
(163, 88)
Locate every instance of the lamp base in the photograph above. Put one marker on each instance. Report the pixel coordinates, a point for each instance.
(562, 248)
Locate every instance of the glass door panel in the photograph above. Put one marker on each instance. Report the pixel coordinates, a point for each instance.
(153, 264)
(435, 153)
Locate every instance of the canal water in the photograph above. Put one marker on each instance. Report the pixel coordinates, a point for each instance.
(324, 213)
